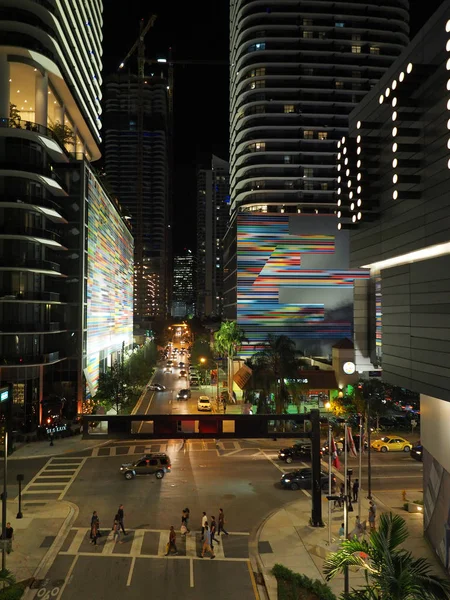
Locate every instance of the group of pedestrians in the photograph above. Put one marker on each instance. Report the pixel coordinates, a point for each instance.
(209, 529)
(117, 527)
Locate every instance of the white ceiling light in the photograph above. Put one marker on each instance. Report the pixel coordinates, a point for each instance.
(395, 194)
(394, 102)
(381, 99)
(394, 84)
(359, 202)
(409, 68)
(394, 147)
(401, 77)
(394, 163)
(358, 125)
(394, 131)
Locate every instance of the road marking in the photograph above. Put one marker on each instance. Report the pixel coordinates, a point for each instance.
(130, 574)
(162, 546)
(72, 479)
(218, 550)
(306, 493)
(252, 579)
(191, 546)
(132, 450)
(274, 463)
(109, 544)
(136, 546)
(191, 572)
(146, 411)
(68, 576)
(54, 476)
(127, 555)
(77, 541)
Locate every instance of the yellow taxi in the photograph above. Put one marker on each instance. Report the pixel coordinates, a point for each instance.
(391, 444)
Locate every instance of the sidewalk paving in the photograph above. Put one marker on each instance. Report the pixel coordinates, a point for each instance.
(287, 538)
(61, 446)
(38, 536)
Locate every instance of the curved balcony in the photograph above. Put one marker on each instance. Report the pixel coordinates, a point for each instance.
(34, 128)
(29, 263)
(18, 327)
(10, 296)
(47, 234)
(27, 360)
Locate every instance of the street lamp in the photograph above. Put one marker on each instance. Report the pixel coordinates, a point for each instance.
(19, 481)
(348, 507)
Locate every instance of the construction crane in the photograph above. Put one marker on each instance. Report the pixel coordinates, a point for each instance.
(139, 48)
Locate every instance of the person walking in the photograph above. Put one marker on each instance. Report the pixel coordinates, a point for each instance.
(213, 529)
(341, 530)
(95, 520)
(116, 530)
(9, 536)
(172, 543)
(185, 519)
(207, 543)
(372, 515)
(94, 529)
(121, 516)
(204, 522)
(355, 490)
(222, 522)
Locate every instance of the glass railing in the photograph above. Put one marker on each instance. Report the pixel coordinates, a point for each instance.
(35, 128)
(44, 296)
(11, 327)
(30, 359)
(29, 263)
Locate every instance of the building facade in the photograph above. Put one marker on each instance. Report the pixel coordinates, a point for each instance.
(50, 63)
(153, 233)
(296, 73)
(183, 285)
(212, 222)
(395, 203)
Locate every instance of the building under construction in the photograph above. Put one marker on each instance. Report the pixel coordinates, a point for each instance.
(139, 170)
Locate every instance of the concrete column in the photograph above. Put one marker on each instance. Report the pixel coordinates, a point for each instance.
(41, 98)
(4, 86)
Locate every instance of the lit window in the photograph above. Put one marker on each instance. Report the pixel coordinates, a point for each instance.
(324, 186)
(287, 159)
(356, 49)
(339, 85)
(308, 135)
(289, 108)
(374, 50)
(308, 35)
(339, 24)
(258, 46)
(307, 22)
(322, 135)
(258, 84)
(260, 146)
(261, 71)
(308, 172)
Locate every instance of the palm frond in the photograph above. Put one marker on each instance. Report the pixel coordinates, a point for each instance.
(352, 553)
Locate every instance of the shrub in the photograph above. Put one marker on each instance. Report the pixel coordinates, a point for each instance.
(13, 592)
(293, 586)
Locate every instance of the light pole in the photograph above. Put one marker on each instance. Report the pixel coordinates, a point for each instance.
(204, 360)
(19, 481)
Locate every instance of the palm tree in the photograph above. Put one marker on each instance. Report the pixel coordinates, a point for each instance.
(392, 573)
(227, 341)
(277, 361)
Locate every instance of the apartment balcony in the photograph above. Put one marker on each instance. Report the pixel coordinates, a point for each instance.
(31, 264)
(29, 360)
(18, 327)
(10, 296)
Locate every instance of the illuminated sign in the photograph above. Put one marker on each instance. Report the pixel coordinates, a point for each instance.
(4, 394)
(349, 368)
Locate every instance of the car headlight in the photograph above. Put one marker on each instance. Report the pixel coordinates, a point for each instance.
(287, 481)
(418, 452)
(121, 468)
(282, 454)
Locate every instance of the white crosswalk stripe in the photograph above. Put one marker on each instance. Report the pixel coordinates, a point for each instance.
(222, 448)
(55, 478)
(189, 547)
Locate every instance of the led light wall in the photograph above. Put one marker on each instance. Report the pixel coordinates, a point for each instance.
(109, 292)
(293, 279)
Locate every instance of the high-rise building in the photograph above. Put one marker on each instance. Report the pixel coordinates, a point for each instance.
(152, 289)
(212, 222)
(297, 71)
(65, 250)
(183, 284)
(398, 152)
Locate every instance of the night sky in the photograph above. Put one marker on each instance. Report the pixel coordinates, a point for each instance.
(195, 30)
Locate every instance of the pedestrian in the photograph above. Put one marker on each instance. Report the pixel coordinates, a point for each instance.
(185, 519)
(94, 529)
(204, 521)
(207, 543)
(341, 530)
(372, 515)
(221, 522)
(95, 520)
(9, 536)
(355, 490)
(116, 530)
(121, 515)
(213, 529)
(172, 543)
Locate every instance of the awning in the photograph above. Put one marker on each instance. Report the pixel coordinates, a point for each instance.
(242, 376)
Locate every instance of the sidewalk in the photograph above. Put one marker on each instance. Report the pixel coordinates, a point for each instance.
(286, 537)
(38, 536)
(62, 446)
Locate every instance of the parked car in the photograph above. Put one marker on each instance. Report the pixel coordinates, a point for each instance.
(156, 387)
(392, 444)
(157, 464)
(417, 452)
(302, 479)
(184, 394)
(204, 403)
(194, 382)
(298, 451)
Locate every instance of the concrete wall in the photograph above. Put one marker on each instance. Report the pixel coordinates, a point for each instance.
(416, 326)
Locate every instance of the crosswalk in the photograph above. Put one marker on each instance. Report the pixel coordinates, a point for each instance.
(220, 447)
(152, 543)
(54, 479)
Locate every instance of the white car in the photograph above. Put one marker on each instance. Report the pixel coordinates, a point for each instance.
(168, 370)
(204, 403)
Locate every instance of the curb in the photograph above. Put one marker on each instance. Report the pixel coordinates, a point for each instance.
(53, 551)
(32, 456)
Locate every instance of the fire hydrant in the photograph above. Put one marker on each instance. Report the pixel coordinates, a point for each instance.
(404, 495)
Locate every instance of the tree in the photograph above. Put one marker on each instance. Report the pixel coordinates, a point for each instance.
(227, 341)
(392, 573)
(14, 112)
(63, 133)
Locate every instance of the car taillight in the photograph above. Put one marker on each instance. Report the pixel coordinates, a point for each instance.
(168, 468)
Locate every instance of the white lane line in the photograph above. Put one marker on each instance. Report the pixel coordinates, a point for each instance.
(162, 546)
(173, 556)
(53, 483)
(218, 550)
(54, 476)
(130, 573)
(132, 450)
(146, 411)
(112, 451)
(95, 452)
(191, 572)
(237, 445)
(136, 545)
(41, 491)
(25, 489)
(76, 542)
(191, 546)
(306, 493)
(68, 576)
(274, 463)
(109, 544)
(72, 479)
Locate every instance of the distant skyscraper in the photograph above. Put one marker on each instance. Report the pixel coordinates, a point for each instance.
(65, 251)
(183, 284)
(152, 294)
(212, 222)
(297, 71)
